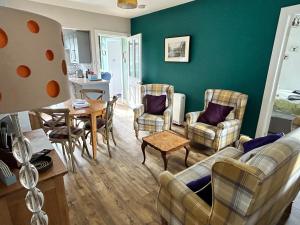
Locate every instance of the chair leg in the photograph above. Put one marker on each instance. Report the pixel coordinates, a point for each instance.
(85, 147)
(137, 134)
(72, 159)
(107, 141)
(113, 137)
(163, 221)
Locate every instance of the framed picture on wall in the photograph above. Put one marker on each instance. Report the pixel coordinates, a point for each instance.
(177, 49)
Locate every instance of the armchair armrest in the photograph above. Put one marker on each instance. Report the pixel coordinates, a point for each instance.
(192, 117)
(167, 114)
(228, 124)
(138, 111)
(189, 200)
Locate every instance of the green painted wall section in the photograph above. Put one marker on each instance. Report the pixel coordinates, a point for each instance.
(231, 46)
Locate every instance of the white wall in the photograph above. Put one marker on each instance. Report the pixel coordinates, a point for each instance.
(290, 72)
(76, 19)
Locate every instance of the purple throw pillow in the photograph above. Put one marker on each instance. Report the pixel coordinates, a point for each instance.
(202, 187)
(200, 183)
(261, 141)
(214, 114)
(155, 105)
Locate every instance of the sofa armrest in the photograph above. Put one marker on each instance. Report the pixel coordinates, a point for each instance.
(189, 200)
(243, 139)
(228, 124)
(138, 111)
(229, 177)
(192, 117)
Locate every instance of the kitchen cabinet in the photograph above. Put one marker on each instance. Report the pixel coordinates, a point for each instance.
(78, 44)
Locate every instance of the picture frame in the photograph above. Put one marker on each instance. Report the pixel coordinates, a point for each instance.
(177, 49)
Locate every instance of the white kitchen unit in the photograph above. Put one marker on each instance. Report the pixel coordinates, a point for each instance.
(82, 83)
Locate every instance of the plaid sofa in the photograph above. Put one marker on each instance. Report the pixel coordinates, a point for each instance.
(154, 123)
(295, 123)
(256, 192)
(225, 133)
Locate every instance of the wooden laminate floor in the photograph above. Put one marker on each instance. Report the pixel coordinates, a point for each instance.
(120, 190)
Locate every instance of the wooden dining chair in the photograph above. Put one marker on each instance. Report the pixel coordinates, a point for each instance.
(67, 135)
(86, 94)
(105, 124)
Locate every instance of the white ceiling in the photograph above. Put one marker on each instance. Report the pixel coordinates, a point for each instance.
(110, 6)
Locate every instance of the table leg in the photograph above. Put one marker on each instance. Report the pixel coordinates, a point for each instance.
(143, 149)
(187, 151)
(164, 156)
(94, 134)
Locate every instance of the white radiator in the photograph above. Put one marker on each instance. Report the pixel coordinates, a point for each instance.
(178, 108)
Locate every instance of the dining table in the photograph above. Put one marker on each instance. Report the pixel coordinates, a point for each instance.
(95, 109)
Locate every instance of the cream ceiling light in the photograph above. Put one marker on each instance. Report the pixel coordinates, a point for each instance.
(127, 4)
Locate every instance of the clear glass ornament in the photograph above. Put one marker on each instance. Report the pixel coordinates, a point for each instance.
(39, 218)
(34, 200)
(29, 176)
(22, 150)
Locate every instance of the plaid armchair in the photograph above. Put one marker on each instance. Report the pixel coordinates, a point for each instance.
(154, 123)
(256, 192)
(225, 133)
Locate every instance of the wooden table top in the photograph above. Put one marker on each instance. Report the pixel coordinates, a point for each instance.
(166, 141)
(95, 106)
(58, 168)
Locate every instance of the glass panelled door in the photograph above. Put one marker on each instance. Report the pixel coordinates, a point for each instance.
(135, 69)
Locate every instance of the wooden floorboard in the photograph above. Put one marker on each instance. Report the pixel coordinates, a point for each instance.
(120, 190)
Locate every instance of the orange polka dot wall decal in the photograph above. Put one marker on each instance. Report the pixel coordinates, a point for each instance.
(64, 67)
(23, 71)
(49, 55)
(33, 26)
(53, 88)
(3, 38)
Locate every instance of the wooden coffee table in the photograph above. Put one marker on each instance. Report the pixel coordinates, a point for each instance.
(166, 142)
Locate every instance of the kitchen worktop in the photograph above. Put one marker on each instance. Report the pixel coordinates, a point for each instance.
(86, 81)
(83, 83)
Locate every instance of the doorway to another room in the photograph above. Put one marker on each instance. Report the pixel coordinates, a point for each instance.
(281, 101)
(120, 63)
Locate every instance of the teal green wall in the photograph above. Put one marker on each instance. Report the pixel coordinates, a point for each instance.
(231, 46)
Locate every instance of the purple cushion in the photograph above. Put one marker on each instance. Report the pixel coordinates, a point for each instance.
(214, 114)
(200, 183)
(261, 141)
(202, 187)
(155, 105)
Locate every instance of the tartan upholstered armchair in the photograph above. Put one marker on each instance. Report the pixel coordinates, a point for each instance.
(256, 192)
(154, 123)
(225, 133)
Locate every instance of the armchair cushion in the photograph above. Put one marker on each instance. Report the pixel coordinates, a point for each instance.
(204, 130)
(155, 105)
(151, 120)
(214, 114)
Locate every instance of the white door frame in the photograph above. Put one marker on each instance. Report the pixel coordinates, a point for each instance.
(97, 47)
(282, 34)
